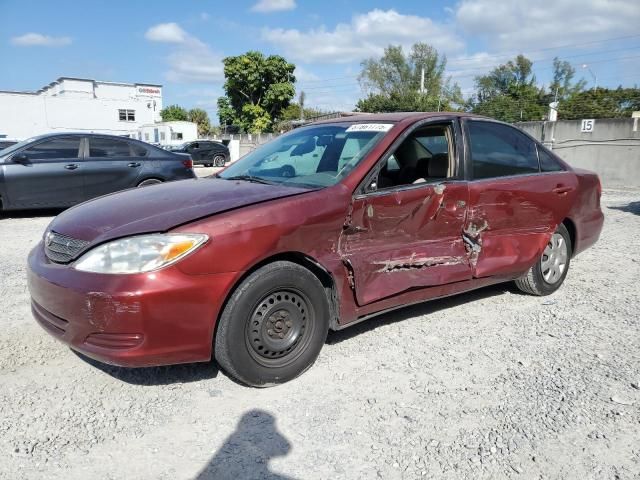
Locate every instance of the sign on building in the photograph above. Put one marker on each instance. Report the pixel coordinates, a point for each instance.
(587, 125)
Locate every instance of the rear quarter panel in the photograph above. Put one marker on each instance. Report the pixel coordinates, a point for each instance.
(586, 213)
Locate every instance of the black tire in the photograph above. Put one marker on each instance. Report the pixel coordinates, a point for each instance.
(219, 161)
(533, 282)
(273, 326)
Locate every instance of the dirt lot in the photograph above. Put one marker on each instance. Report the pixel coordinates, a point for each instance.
(491, 384)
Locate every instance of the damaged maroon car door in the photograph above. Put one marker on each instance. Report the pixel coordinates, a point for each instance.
(514, 208)
(404, 229)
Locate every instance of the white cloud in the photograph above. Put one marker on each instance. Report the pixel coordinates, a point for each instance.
(194, 65)
(266, 6)
(303, 75)
(367, 35)
(40, 40)
(166, 33)
(544, 23)
(191, 60)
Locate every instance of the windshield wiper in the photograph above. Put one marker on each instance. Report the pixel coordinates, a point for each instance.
(249, 178)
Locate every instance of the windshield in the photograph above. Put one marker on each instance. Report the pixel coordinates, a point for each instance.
(17, 146)
(316, 156)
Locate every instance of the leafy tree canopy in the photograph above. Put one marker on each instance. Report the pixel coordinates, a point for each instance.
(394, 81)
(201, 118)
(257, 89)
(174, 113)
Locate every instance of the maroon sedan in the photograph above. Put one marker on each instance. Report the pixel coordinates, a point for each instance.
(319, 229)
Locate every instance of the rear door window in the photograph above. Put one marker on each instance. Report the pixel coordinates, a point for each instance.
(499, 150)
(547, 162)
(108, 148)
(56, 148)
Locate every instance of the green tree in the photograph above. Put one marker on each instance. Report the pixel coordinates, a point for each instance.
(562, 85)
(201, 118)
(292, 113)
(394, 81)
(174, 113)
(257, 90)
(600, 103)
(509, 93)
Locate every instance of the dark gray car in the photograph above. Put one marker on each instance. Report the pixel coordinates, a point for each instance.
(61, 170)
(205, 152)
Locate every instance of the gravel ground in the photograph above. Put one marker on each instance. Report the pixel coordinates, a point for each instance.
(490, 384)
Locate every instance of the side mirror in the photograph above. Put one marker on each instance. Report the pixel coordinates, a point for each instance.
(20, 158)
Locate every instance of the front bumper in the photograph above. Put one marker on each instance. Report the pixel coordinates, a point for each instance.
(157, 318)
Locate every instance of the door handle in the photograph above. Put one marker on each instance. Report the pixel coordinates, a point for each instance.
(133, 164)
(71, 166)
(562, 190)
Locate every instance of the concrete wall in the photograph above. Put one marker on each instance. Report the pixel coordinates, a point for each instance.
(612, 149)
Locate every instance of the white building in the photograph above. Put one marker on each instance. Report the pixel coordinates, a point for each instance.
(80, 104)
(168, 133)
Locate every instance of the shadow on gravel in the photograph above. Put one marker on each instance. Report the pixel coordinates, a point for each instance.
(631, 207)
(46, 212)
(153, 376)
(248, 450)
(426, 308)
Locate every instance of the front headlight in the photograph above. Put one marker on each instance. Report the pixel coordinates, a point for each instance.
(140, 254)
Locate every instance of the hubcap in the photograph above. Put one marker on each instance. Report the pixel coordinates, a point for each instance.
(278, 324)
(554, 259)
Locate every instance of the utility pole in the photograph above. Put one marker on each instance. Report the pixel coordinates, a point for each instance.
(595, 77)
(422, 80)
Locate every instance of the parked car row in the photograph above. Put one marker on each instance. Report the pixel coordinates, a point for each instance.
(61, 170)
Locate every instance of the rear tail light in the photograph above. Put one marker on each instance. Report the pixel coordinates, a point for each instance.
(599, 190)
(188, 163)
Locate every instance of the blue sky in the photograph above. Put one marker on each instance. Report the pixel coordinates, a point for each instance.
(180, 44)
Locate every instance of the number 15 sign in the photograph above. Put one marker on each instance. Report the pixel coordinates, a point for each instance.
(587, 125)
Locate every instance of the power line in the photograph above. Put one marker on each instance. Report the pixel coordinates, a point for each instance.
(511, 55)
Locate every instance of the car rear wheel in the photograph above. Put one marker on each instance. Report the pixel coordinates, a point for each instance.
(149, 181)
(546, 276)
(219, 161)
(273, 326)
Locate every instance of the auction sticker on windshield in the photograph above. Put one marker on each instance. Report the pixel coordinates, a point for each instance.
(370, 127)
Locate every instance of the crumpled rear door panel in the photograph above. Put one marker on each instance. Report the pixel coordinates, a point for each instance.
(510, 220)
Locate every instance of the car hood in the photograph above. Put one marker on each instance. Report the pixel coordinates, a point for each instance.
(159, 208)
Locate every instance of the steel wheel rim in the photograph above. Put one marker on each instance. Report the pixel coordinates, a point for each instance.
(554, 259)
(280, 327)
(146, 183)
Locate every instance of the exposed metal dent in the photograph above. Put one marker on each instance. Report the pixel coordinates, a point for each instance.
(473, 240)
(414, 262)
(474, 230)
(349, 268)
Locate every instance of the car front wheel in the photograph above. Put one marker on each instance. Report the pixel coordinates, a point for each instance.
(273, 326)
(219, 161)
(546, 276)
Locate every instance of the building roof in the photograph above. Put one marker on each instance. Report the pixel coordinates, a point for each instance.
(61, 79)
